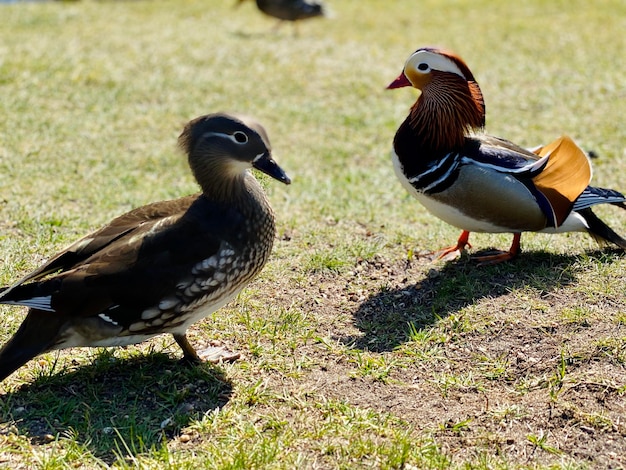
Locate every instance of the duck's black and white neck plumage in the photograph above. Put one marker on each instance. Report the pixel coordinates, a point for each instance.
(482, 183)
(160, 267)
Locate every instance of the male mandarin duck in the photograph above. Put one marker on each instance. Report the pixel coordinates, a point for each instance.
(481, 183)
(161, 267)
(289, 10)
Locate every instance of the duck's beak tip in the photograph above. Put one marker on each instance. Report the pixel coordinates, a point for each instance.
(399, 82)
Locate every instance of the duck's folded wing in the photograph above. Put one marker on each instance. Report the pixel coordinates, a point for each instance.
(557, 174)
(122, 226)
(162, 265)
(166, 269)
(118, 239)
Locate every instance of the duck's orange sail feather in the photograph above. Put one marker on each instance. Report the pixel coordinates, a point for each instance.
(565, 177)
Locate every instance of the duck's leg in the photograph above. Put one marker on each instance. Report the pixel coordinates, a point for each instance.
(213, 353)
(277, 26)
(461, 243)
(502, 255)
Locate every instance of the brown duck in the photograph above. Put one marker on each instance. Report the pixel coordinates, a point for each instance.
(161, 267)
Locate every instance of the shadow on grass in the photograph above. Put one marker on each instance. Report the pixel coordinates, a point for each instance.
(116, 407)
(384, 316)
(253, 35)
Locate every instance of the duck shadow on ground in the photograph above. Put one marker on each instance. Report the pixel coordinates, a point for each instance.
(115, 407)
(270, 32)
(384, 317)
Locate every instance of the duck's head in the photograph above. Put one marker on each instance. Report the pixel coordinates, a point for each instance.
(450, 98)
(222, 147)
(427, 64)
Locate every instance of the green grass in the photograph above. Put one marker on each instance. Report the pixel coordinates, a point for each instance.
(357, 350)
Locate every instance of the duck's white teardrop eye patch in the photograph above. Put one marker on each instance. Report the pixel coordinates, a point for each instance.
(424, 61)
(240, 137)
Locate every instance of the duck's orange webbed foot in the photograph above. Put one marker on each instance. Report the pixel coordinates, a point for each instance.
(501, 256)
(461, 243)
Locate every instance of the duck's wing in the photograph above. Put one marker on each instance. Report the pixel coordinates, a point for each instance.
(131, 224)
(557, 173)
(566, 176)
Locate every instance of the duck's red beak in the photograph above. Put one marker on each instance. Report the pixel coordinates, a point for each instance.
(399, 82)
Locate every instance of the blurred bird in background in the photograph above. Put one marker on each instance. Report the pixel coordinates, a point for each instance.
(289, 10)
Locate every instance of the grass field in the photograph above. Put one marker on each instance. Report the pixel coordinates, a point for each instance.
(357, 350)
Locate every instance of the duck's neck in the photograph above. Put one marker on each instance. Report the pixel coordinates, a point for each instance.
(242, 191)
(444, 115)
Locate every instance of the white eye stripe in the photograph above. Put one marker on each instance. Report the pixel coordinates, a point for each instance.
(237, 137)
(434, 62)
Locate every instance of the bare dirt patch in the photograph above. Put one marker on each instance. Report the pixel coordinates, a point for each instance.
(511, 374)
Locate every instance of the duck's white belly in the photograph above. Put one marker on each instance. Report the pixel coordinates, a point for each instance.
(574, 222)
(455, 217)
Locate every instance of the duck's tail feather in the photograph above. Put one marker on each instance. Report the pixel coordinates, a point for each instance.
(35, 336)
(601, 231)
(592, 196)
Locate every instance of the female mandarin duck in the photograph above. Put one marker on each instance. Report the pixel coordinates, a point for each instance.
(161, 267)
(481, 183)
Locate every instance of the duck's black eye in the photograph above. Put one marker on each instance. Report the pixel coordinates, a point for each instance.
(240, 137)
(423, 66)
